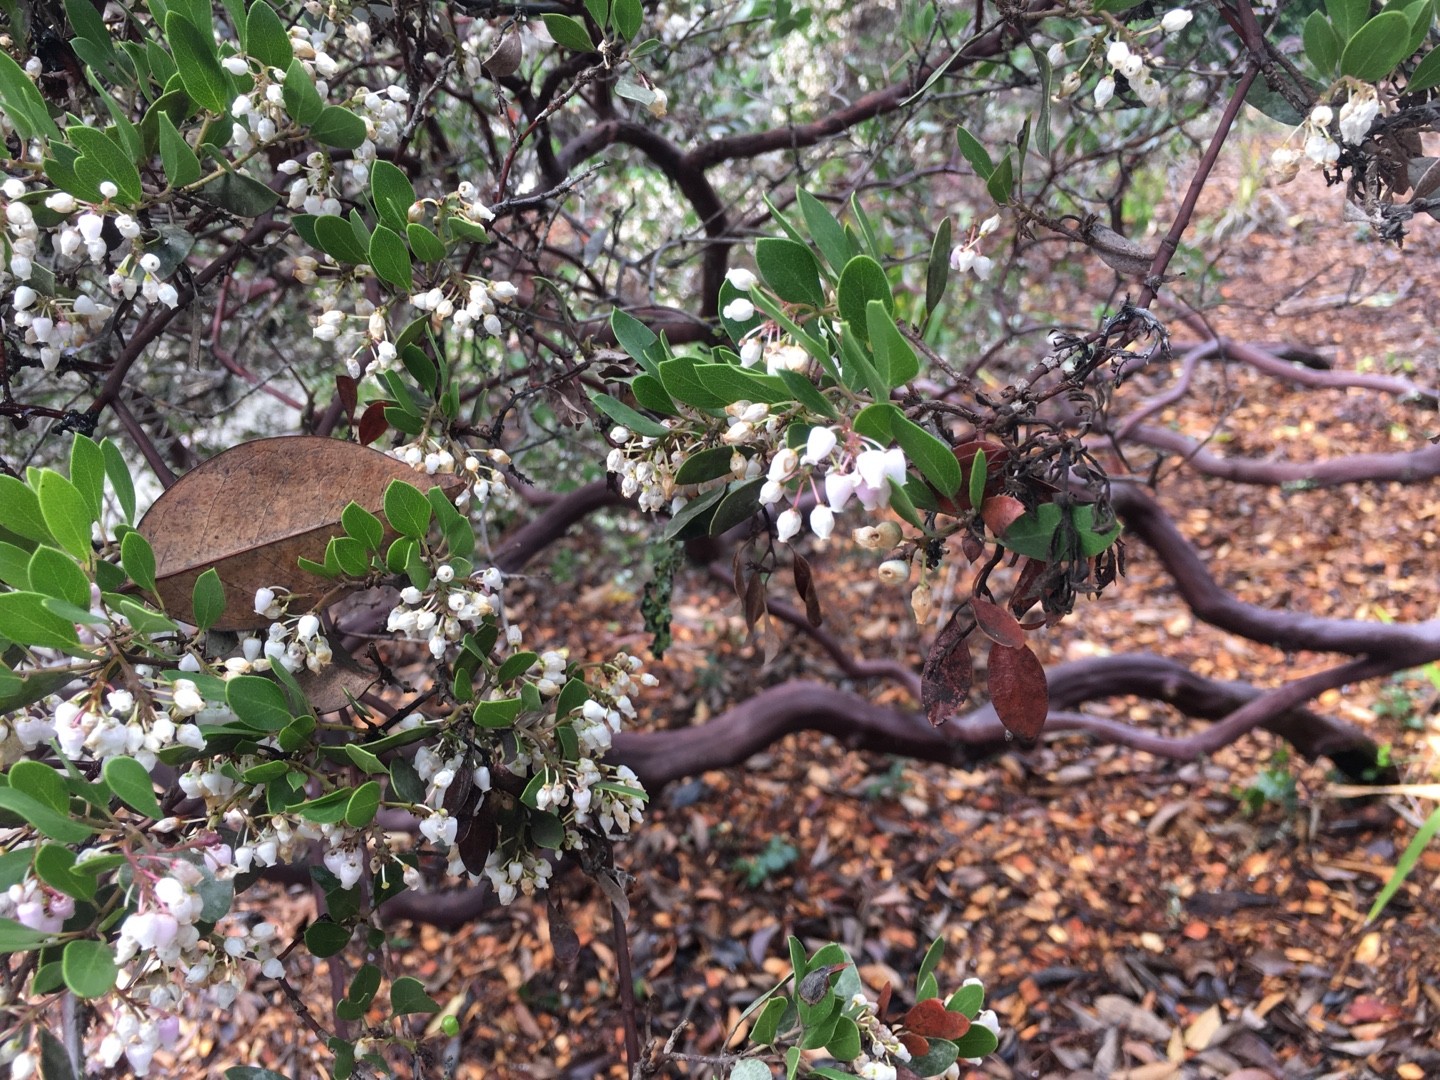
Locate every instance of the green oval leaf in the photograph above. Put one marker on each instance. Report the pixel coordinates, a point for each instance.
(425, 245)
(138, 559)
(627, 417)
(1377, 47)
(362, 805)
(326, 938)
(390, 259)
(258, 702)
(337, 127)
(265, 37)
(302, 100)
(66, 512)
(570, 33)
(862, 280)
(407, 995)
(200, 71)
(406, 509)
(130, 782)
(1322, 47)
(25, 620)
(54, 573)
(182, 166)
(89, 968)
(208, 599)
(791, 270)
(935, 460)
(392, 193)
(1426, 73)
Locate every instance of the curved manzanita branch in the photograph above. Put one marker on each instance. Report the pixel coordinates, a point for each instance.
(1402, 645)
(1305, 375)
(523, 543)
(1406, 467)
(661, 757)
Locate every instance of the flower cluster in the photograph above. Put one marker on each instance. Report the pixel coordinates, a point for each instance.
(966, 257)
(857, 469)
(447, 609)
(1124, 59)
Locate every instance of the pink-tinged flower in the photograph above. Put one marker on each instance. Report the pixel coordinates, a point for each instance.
(877, 470)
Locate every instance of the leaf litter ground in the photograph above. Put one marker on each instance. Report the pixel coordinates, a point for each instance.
(1130, 919)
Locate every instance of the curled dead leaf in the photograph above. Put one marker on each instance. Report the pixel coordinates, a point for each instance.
(252, 512)
(945, 679)
(1018, 690)
(805, 586)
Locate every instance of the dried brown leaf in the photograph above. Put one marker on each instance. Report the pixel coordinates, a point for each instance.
(754, 600)
(996, 623)
(253, 511)
(563, 939)
(945, 679)
(805, 586)
(1026, 593)
(1018, 690)
(373, 422)
(349, 394)
(477, 836)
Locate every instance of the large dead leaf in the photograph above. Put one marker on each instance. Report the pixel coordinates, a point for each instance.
(253, 511)
(1018, 690)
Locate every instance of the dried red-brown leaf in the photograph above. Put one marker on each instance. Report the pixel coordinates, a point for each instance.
(563, 938)
(754, 600)
(349, 394)
(372, 422)
(339, 682)
(945, 679)
(457, 801)
(995, 456)
(805, 586)
(972, 547)
(1026, 593)
(1018, 690)
(918, 1045)
(1000, 512)
(996, 623)
(882, 1003)
(930, 1019)
(476, 837)
(253, 511)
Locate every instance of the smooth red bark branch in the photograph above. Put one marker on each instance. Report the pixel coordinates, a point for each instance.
(1405, 467)
(1404, 645)
(661, 757)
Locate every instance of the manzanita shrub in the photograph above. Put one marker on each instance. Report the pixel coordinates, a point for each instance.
(192, 698)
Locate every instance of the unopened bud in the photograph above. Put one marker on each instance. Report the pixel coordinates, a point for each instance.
(921, 602)
(894, 571)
